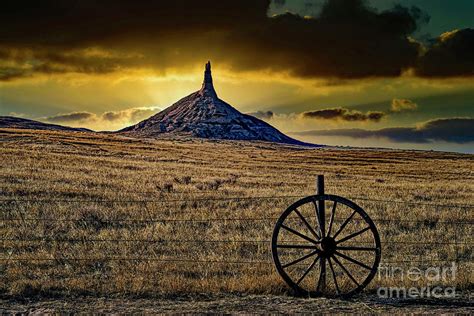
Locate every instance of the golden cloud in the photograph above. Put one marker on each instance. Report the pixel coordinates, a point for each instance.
(399, 105)
(106, 120)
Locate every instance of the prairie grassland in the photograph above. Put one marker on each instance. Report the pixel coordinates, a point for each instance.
(83, 203)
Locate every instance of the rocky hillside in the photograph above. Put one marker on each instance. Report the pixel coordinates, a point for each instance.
(21, 123)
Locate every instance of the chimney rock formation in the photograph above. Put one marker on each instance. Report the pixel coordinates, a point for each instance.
(202, 114)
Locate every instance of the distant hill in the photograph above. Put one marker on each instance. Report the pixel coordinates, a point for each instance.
(21, 123)
(202, 114)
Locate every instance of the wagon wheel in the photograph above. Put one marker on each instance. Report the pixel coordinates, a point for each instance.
(326, 245)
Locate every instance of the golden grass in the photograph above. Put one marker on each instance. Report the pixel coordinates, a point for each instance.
(107, 175)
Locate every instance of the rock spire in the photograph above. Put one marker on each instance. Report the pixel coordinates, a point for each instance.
(207, 85)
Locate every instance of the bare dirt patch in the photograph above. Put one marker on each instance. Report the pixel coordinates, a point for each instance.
(237, 304)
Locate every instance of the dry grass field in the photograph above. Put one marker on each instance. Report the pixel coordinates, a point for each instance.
(98, 214)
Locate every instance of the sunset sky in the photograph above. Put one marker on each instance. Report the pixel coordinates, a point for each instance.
(342, 72)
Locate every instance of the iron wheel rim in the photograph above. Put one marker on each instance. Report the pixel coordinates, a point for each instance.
(316, 293)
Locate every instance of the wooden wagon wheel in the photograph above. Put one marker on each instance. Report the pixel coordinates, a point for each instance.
(319, 257)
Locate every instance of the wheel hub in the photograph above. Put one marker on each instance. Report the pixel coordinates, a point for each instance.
(328, 245)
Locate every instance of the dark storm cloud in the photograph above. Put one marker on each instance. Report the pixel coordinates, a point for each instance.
(11, 73)
(344, 114)
(263, 115)
(70, 117)
(42, 61)
(347, 40)
(454, 130)
(451, 55)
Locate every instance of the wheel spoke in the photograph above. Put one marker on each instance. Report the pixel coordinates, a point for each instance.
(345, 270)
(322, 216)
(353, 260)
(289, 246)
(318, 217)
(334, 276)
(322, 276)
(309, 269)
(353, 235)
(307, 224)
(291, 230)
(344, 224)
(358, 248)
(331, 221)
(300, 259)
